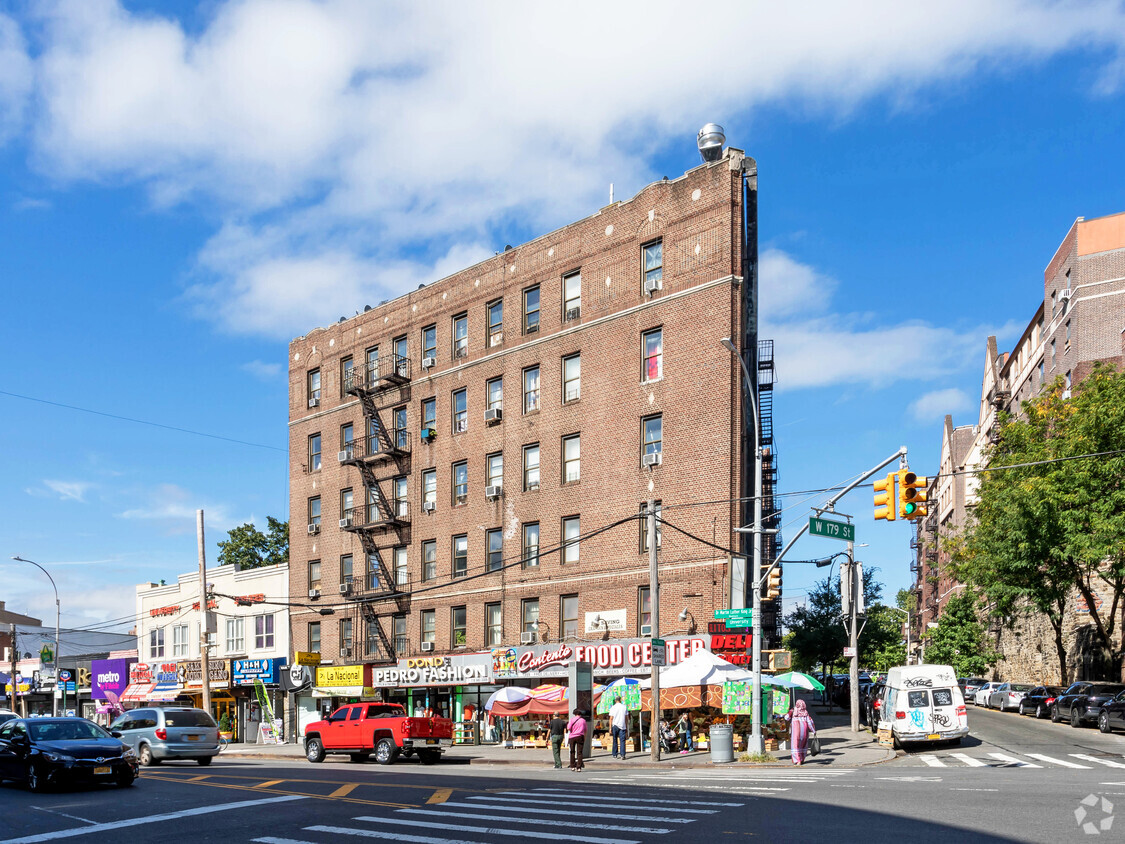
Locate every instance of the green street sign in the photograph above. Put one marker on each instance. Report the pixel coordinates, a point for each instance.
(833, 530)
(736, 618)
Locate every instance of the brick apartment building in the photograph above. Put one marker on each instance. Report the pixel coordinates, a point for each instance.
(468, 461)
(1080, 321)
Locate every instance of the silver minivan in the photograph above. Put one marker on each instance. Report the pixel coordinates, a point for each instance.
(169, 732)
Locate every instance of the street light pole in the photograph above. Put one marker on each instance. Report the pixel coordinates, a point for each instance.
(58, 610)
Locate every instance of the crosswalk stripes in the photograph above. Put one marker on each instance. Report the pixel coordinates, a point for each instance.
(1062, 762)
(1009, 760)
(971, 761)
(586, 817)
(1109, 763)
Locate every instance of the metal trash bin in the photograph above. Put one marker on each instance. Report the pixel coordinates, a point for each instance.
(722, 742)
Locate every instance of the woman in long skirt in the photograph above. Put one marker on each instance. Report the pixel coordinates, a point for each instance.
(801, 727)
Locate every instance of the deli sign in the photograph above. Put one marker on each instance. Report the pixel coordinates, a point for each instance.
(452, 670)
(619, 657)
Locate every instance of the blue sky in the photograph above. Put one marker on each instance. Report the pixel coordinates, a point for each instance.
(184, 188)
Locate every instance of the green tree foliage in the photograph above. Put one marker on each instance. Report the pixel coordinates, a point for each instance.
(249, 548)
(816, 635)
(881, 644)
(1041, 531)
(959, 639)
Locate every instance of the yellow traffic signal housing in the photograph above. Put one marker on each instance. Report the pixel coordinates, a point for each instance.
(773, 585)
(911, 495)
(885, 498)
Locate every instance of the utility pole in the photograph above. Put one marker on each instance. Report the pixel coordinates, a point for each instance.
(856, 590)
(12, 653)
(654, 606)
(204, 627)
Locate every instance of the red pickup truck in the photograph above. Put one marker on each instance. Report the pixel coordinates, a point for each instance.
(382, 729)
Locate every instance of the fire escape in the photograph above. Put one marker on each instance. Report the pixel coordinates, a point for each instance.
(381, 519)
(771, 508)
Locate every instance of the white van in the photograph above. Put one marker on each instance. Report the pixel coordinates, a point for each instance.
(923, 703)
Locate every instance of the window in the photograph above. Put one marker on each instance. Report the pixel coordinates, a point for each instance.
(263, 631)
(314, 510)
(1053, 304)
(429, 414)
(373, 513)
(1042, 372)
(398, 485)
(429, 559)
(429, 625)
(156, 642)
(1052, 354)
(402, 573)
(493, 631)
(644, 611)
(460, 411)
(429, 342)
(346, 568)
(644, 526)
(314, 574)
(429, 486)
(653, 259)
(572, 378)
(460, 483)
(236, 644)
(571, 530)
(345, 637)
(652, 345)
(458, 622)
(314, 453)
(461, 336)
(495, 470)
(347, 435)
(374, 570)
(1068, 379)
(572, 296)
(401, 434)
(399, 625)
(496, 323)
(314, 637)
(347, 507)
(347, 374)
(529, 614)
(374, 442)
(531, 310)
(180, 640)
(653, 434)
(314, 387)
(1067, 346)
(371, 638)
(460, 555)
(494, 391)
(372, 365)
(572, 458)
(495, 539)
(568, 616)
(402, 357)
(531, 389)
(531, 544)
(531, 467)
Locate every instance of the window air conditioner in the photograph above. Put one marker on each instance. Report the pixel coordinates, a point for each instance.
(314, 594)
(527, 638)
(345, 523)
(654, 459)
(1064, 295)
(493, 414)
(492, 492)
(428, 506)
(345, 652)
(532, 329)
(573, 313)
(346, 454)
(429, 363)
(646, 629)
(1066, 394)
(345, 588)
(573, 395)
(461, 352)
(314, 402)
(314, 530)
(427, 646)
(652, 285)
(534, 485)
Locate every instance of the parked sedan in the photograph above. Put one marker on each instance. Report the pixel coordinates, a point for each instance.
(1112, 714)
(1082, 701)
(50, 751)
(1008, 696)
(1038, 701)
(969, 686)
(980, 697)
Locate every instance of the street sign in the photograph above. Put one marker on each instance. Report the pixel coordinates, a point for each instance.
(742, 615)
(849, 652)
(833, 530)
(64, 675)
(659, 653)
(307, 658)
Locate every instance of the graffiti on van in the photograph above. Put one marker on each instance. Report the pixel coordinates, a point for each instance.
(918, 682)
(917, 717)
(941, 719)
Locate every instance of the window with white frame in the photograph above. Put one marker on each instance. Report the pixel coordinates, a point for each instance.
(494, 470)
(180, 640)
(402, 357)
(429, 559)
(572, 458)
(372, 365)
(493, 631)
(156, 642)
(429, 414)
(494, 390)
(314, 637)
(568, 616)
(263, 631)
(346, 640)
(652, 345)
(572, 296)
(314, 387)
(531, 467)
(429, 486)
(572, 378)
(460, 336)
(529, 614)
(531, 310)
(401, 434)
(314, 452)
(429, 626)
(347, 374)
(398, 486)
(652, 256)
(460, 483)
(496, 323)
(531, 544)
(460, 555)
(495, 539)
(402, 572)
(460, 411)
(236, 642)
(429, 342)
(571, 530)
(653, 434)
(531, 389)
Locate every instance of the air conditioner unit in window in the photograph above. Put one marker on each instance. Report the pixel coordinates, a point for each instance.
(1066, 394)
(646, 629)
(534, 485)
(573, 313)
(654, 459)
(532, 329)
(492, 492)
(345, 523)
(462, 499)
(345, 652)
(1064, 295)
(527, 638)
(427, 646)
(428, 506)
(493, 414)
(460, 426)
(314, 594)
(461, 352)
(573, 395)
(346, 588)
(346, 454)
(652, 285)
(314, 530)
(429, 363)
(314, 402)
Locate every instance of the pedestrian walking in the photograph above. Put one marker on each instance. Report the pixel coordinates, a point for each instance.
(801, 726)
(558, 731)
(576, 733)
(619, 726)
(684, 730)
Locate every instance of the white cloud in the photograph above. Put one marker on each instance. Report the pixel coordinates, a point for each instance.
(938, 403)
(261, 370)
(30, 203)
(15, 77)
(69, 490)
(173, 509)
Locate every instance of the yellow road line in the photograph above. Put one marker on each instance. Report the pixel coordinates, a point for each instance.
(295, 793)
(265, 784)
(172, 774)
(440, 795)
(345, 790)
(199, 778)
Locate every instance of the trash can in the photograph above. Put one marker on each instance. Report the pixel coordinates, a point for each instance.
(722, 742)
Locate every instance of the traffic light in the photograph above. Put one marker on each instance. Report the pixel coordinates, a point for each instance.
(885, 498)
(911, 495)
(773, 584)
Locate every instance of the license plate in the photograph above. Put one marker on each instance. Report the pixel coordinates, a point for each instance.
(105, 769)
(934, 737)
(192, 738)
(432, 741)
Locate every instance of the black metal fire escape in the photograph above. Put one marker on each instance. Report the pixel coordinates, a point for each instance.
(771, 508)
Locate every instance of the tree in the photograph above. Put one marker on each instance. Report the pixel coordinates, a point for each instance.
(881, 644)
(248, 548)
(817, 636)
(959, 639)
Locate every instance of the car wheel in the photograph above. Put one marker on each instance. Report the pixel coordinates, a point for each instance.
(1023, 709)
(126, 778)
(35, 780)
(1039, 713)
(429, 757)
(204, 760)
(314, 750)
(385, 751)
(1055, 716)
(1003, 707)
(1075, 718)
(146, 757)
(1103, 722)
(360, 757)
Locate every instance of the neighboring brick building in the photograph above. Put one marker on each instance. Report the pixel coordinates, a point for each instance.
(1080, 321)
(446, 444)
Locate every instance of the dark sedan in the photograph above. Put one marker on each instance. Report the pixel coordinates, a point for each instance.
(1112, 714)
(1038, 701)
(1080, 703)
(52, 751)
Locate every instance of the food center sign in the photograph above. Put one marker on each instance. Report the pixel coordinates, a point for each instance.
(618, 658)
(455, 670)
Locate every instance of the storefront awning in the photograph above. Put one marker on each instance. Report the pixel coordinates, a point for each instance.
(343, 691)
(137, 692)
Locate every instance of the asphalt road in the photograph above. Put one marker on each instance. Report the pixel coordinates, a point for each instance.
(930, 794)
